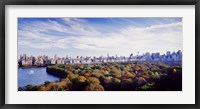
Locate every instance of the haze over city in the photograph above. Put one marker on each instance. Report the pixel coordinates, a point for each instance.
(98, 36)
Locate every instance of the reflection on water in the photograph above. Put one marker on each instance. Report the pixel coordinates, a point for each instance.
(34, 76)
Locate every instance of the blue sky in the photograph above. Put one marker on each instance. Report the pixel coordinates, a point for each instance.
(98, 36)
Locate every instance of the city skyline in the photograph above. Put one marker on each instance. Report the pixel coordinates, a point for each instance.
(98, 36)
(138, 54)
(25, 60)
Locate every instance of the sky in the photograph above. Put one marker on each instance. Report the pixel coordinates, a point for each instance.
(98, 36)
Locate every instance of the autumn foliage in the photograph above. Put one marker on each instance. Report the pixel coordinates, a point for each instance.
(132, 76)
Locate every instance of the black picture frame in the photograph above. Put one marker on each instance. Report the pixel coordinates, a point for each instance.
(98, 2)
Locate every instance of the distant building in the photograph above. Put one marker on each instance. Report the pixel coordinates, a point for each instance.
(24, 60)
(53, 61)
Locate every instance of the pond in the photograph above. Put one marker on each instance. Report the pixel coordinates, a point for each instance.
(34, 76)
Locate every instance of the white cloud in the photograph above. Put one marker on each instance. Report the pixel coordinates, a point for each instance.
(159, 38)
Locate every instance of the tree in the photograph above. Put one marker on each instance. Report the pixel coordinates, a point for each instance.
(129, 75)
(141, 81)
(81, 79)
(106, 73)
(115, 73)
(65, 83)
(72, 76)
(29, 87)
(174, 70)
(108, 79)
(156, 75)
(148, 86)
(87, 74)
(94, 87)
(116, 81)
(137, 68)
(93, 80)
(76, 71)
(127, 81)
(46, 83)
(42, 88)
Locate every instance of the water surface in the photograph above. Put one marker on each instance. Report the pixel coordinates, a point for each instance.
(34, 76)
